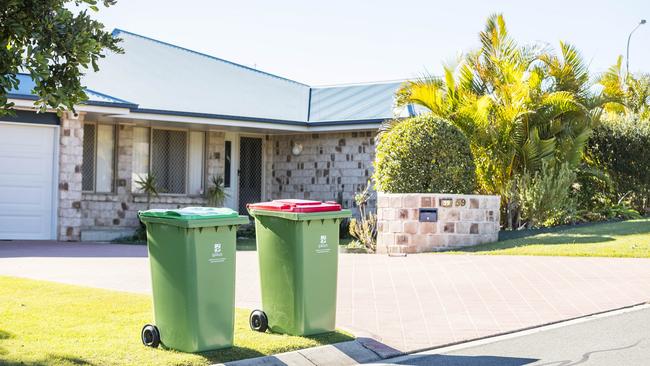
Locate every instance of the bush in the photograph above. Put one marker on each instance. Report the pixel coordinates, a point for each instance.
(544, 198)
(620, 146)
(364, 230)
(424, 154)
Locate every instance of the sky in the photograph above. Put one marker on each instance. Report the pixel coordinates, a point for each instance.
(341, 42)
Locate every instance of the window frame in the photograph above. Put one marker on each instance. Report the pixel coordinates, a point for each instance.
(95, 146)
(187, 160)
(227, 163)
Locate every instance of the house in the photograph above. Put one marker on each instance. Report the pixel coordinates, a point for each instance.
(183, 117)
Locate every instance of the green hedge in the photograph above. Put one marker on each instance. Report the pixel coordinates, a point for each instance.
(621, 147)
(424, 154)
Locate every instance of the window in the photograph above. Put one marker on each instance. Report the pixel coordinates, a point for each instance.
(227, 166)
(98, 158)
(174, 157)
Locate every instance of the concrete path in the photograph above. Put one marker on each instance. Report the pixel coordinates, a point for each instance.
(618, 338)
(409, 304)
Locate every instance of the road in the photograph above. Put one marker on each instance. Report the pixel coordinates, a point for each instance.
(606, 340)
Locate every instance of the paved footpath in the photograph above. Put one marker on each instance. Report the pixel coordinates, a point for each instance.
(408, 304)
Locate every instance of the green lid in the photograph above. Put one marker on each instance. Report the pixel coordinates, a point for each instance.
(192, 213)
(194, 216)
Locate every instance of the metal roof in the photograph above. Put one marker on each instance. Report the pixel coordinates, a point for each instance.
(167, 79)
(353, 102)
(26, 87)
(161, 76)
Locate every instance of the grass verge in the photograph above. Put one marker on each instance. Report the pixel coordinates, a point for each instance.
(612, 239)
(46, 323)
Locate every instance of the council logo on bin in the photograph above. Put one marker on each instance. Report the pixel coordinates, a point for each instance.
(217, 255)
(322, 246)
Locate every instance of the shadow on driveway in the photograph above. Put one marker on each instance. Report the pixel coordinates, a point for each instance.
(45, 248)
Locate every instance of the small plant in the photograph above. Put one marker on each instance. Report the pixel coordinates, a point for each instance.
(217, 192)
(543, 198)
(147, 185)
(364, 229)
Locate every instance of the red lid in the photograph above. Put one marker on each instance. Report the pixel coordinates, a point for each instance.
(300, 206)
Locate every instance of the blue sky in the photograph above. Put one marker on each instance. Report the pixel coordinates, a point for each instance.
(335, 41)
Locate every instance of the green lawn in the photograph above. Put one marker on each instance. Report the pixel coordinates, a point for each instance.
(46, 323)
(612, 239)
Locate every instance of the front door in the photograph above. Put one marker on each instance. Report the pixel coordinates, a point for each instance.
(250, 172)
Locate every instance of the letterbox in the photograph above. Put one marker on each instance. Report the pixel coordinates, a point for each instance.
(428, 214)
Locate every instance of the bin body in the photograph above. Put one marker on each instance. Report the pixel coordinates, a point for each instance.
(298, 258)
(193, 280)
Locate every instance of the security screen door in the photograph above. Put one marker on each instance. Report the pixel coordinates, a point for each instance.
(250, 172)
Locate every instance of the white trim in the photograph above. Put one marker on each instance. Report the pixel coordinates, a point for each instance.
(233, 125)
(344, 128)
(55, 185)
(233, 191)
(29, 104)
(266, 127)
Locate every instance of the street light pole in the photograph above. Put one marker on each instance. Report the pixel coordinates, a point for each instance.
(627, 54)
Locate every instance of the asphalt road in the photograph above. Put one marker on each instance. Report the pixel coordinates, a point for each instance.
(621, 339)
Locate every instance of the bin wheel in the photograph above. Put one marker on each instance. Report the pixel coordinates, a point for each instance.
(258, 321)
(150, 336)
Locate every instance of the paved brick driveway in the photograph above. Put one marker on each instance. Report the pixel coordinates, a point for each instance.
(408, 303)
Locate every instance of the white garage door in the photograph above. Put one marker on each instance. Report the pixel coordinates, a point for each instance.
(26, 181)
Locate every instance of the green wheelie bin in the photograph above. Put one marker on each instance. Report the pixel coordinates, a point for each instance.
(192, 256)
(297, 245)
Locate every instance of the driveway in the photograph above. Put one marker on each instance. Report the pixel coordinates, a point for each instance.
(409, 303)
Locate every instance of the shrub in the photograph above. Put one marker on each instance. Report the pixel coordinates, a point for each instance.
(620, 146)
(544, 198)
(424, 154)
(217, 192)
(364, 230)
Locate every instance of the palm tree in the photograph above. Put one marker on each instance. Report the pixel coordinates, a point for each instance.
(625, 94)
(521, 107)
(148, 186)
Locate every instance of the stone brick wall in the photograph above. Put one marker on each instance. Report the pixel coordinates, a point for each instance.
(70, 161)
(331, 166)
(118, 210)
(463, 220)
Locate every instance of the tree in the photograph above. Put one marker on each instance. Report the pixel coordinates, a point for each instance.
(627, 95)
(521, 108)
(54, 45)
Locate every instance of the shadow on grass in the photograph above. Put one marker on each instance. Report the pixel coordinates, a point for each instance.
(49, 360)
(239, 353)
(230, 354)
(615, 227)
(560, 239)
(581, 234)
(5, 335)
